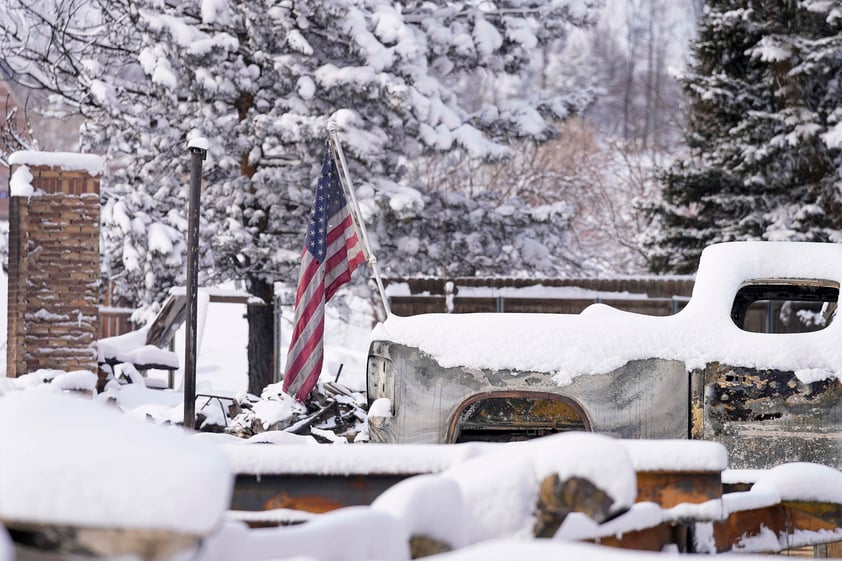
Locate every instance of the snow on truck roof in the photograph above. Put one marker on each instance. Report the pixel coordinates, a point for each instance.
(602, 339)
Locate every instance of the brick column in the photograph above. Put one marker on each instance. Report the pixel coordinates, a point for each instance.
(54, 270)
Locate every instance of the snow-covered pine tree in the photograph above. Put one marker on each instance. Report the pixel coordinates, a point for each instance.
(456, 234)
(261, 79)
(765, 131)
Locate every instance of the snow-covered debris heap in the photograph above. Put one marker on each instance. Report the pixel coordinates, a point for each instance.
(48, 379)
(131, 349)
(524, 489)
(331, 413)
(629, 494)
(78, 476)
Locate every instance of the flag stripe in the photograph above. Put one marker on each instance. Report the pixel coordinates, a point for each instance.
(332, 251)
(309, 364)
(304, 337)
(308, 315)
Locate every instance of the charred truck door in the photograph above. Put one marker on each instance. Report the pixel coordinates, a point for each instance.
(768, 417)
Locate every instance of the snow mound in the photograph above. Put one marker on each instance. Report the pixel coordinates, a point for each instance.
(802, 481)
(676, 455)
(495, 493)
(82, 463)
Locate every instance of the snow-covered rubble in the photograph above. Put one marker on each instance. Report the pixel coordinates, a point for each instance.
(800, 481)
(70, 461)
(88, 465)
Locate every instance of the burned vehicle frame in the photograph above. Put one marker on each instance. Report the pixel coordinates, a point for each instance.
(753, 362)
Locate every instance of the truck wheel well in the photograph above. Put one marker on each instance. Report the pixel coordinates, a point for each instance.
(514, 415)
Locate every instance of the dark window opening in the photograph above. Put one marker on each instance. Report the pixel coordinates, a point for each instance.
(785, 306)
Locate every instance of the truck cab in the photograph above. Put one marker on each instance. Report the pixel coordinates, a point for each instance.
(753, 361)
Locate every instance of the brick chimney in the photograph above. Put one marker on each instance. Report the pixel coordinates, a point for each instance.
(53, 314)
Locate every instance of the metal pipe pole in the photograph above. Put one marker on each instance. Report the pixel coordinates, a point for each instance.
(348, 187)
(198, 151)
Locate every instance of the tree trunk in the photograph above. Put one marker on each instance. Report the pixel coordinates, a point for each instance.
(261, 342)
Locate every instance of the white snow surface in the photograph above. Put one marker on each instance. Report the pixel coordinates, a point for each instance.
(494, 494)
(79, 462)
(578, 526)
(341, 535)
(346, 460)
(742, 475)
(711, 510)
(676, 455)
(602, 339)
(509, 549)
(91, 163)
(7, 550)
(20, 184)
(199, 142)
(131, 347)
(381, 407)
(749, 500)
(802, 481)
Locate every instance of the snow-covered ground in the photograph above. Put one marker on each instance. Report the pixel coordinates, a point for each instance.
(103, 471)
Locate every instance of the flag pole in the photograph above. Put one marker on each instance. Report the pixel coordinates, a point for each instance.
(348, 187)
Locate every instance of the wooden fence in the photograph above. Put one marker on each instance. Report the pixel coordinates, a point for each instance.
(114, 321)
(651, 295)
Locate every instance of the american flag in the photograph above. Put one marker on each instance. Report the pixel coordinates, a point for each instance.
(332, 251)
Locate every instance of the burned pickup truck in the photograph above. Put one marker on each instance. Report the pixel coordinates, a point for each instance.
(712, 371)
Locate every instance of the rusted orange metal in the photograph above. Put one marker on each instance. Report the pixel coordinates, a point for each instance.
(669, 489)
(502, 416)
(308, 503)
(782, 519)
(311, 492)
(649, 539)
(806, 514)
(748, 523)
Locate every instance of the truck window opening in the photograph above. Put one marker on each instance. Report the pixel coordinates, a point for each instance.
(785, 305)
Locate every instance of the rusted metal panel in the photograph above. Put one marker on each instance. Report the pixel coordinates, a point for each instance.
(748, 523)
(174, 312)
(649, 539)
(507, 416)
(309, 492)
(697, 405)
(814, 515)
(642, 399)
(831, 550)
(669, 489)
(769, 417)
(784, 519)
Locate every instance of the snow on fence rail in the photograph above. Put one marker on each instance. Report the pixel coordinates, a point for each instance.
(648, 294)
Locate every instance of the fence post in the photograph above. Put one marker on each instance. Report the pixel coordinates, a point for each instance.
(770, 317)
